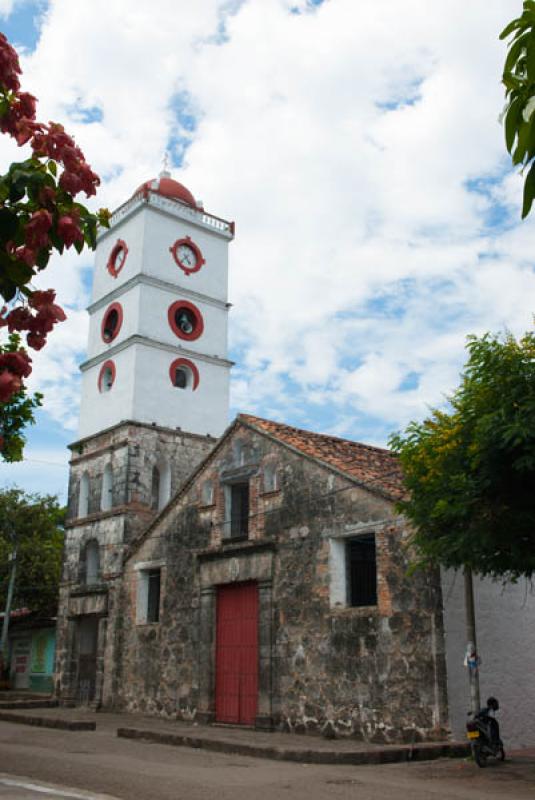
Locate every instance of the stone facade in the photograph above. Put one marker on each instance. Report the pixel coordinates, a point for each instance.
(130, 452)
(374, 672)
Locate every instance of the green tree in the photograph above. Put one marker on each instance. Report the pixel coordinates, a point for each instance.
(33, 525)
(519, 81)
(470, 471)
(17, 412)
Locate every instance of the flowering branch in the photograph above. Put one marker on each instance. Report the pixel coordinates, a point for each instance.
(38, 215)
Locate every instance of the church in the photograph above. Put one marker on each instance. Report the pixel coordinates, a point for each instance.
(254, 573)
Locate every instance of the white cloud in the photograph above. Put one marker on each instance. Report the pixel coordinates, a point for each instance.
(6, 7)
(342, 141)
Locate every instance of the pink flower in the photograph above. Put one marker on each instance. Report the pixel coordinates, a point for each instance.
(69, 231)
(71, 183)
(18, 363)
(19, 319)
(36, 231)
(10, 384)
(41, 298)
(36, 340)
(26, 254)
(9, 65)
(27, 105)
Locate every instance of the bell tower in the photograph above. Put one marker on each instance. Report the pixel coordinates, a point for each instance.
(155, 397)
(157, 350)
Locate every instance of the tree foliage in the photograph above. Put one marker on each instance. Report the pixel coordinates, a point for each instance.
(17, 412)
(519, 81)
(33, 524)
(470, 471)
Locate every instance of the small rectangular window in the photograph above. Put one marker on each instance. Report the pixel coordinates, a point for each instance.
(153, 596)
(361, 571)
(239, 511)
(207, 493)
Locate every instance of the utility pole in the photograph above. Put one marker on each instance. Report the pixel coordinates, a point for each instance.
(472, 658)
(7, 612)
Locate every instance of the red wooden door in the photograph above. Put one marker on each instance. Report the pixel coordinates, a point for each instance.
(236, 686)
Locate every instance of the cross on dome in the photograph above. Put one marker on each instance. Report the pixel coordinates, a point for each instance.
(165, 165)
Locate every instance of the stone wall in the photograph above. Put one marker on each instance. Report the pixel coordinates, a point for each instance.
(376, 673)
(132, 450)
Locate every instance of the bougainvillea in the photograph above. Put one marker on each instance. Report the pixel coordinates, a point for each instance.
(38, 215)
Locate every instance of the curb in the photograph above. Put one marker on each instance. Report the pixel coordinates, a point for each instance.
(394, 754)
(22, 704)
(48, 722)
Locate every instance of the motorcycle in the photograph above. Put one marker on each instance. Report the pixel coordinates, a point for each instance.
(483, 732)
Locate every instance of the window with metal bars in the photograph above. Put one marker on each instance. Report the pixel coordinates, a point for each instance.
(153, 595)
(239, 511)
(361, 571)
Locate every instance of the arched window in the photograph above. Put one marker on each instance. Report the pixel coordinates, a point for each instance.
(182, 377)
(83, 496)
(164, 487)
(155, 489)
(184, 374)
(270, 477)
(92, 562)
(106, 376)
(106, 497)
(111, 322)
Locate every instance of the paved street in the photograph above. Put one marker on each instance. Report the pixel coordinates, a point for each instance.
(16, 788)
(99, 763)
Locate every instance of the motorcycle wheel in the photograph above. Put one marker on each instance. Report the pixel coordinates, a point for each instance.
(479, 758)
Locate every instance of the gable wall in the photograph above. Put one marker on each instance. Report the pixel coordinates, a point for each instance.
(375, 673)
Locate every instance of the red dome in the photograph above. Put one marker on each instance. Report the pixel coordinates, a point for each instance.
(168, 188)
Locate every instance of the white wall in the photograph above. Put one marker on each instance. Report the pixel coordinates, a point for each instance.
(202, 411)
(162, 231)
(100, 410)
(505, 624)
(149, 234)
(131, 303)
(132, 232)
(154, 322)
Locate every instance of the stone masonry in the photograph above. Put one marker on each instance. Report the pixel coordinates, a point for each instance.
(132, 450)
(375, 673)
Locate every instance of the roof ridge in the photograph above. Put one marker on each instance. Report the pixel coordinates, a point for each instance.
(315, 433)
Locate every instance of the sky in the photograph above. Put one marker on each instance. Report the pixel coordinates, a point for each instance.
(357, 145)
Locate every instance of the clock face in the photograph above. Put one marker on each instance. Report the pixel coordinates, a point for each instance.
(187, 255)
(120, 258)
(117, 258)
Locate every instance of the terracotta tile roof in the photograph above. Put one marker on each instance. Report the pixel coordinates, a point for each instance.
(373, 467)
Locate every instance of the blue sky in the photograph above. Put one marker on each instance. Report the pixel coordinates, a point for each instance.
(378, 220)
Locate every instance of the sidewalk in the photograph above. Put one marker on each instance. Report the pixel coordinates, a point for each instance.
(242, 741)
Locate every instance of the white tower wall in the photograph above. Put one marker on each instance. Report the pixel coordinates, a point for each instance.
(156, 400)
(132, 231)
(98, 410)
(143, 290)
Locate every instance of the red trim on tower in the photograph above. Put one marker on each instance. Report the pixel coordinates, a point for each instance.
(199, 260)
(198, 326)
(184, 362)
(119, 309)
(120, 245)
(107, 365)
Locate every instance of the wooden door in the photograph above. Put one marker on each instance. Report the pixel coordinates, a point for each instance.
(236, 693)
